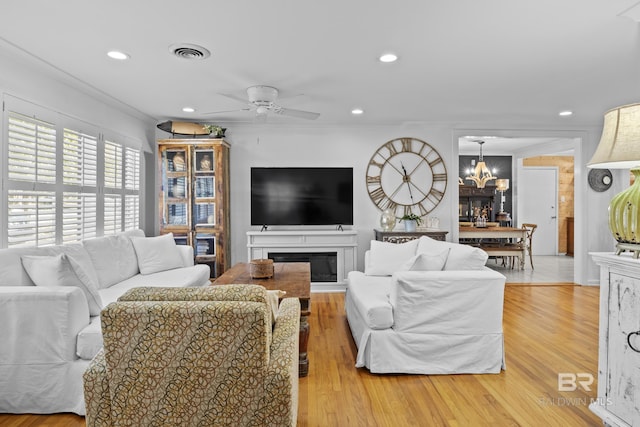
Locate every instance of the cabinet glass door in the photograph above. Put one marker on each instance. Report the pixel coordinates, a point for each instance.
(175, 188)
(204, 212)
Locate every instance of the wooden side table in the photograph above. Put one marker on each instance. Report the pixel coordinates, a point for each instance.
(401, 236)
(292, 277)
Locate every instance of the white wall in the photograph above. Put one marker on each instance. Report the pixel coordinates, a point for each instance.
(30, 80)
(305, 145)
(270, 145)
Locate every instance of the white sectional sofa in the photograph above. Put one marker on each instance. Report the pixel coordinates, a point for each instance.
(426, 307)
(50, 301)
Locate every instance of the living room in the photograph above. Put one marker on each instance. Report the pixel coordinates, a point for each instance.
(485, 70)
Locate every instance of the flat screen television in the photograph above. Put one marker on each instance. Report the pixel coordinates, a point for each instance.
(302, 196)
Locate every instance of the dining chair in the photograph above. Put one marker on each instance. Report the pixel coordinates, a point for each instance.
(531, 228)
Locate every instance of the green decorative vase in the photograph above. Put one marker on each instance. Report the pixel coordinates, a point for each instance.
(624, 217)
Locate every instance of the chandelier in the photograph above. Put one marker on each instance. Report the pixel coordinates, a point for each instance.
(481, 175)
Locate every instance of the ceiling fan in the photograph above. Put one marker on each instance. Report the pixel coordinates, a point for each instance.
(262, 100)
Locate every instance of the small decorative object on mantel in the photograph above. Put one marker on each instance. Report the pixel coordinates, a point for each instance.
(411, 221)
(388, 220)
(261, 268)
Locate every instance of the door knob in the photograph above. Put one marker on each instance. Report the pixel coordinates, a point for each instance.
(554, 217)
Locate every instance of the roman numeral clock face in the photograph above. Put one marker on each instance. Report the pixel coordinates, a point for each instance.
(406, 175)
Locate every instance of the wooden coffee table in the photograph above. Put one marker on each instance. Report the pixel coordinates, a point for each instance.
(292, 277)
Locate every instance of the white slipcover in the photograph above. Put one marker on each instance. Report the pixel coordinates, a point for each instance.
(47, 337)
(444, 322)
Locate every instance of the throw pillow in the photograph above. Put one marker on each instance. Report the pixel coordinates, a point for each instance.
(461, 257)
(465, 257)
(156, 253)
(273, 299)
(386, 258)
(427, 261)
(62, 270)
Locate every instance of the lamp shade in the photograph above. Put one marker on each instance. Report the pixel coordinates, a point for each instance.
(502, 184)
(619, 146)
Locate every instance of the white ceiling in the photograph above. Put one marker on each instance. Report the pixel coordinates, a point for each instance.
(462, 61)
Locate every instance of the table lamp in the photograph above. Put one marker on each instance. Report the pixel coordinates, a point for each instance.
(619, 148)
(502, 185)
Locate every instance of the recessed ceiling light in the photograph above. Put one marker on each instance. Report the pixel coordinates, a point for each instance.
(115, 54)
(565, 113)
(357, 111)
(388, 57)
(189, 109)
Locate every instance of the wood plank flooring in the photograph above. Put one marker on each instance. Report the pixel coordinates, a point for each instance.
(548, 330)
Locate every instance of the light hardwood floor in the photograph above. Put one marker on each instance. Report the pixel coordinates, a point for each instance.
(548, 330)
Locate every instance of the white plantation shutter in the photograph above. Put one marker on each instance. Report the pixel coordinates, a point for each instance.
(80, 159)
(31, 218)
(31, 150)
(63, 185)
(79, 217)
(131, 168)
(112, 214)
(112, 165)
(131, 211)
(132, 187)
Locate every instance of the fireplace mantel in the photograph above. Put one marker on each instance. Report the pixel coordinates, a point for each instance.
(345, 243)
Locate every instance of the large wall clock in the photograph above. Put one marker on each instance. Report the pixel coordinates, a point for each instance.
(406, 175)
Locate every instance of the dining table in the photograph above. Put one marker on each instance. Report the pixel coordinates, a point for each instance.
(497, 241)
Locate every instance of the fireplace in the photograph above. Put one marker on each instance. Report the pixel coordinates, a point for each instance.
(324, 265)
(331, 253)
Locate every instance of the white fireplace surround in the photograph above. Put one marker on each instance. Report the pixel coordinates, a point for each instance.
(345, 243)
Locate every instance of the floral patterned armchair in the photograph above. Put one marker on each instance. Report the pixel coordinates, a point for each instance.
(196, 356)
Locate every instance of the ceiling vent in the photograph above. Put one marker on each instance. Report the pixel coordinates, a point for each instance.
(189, 51)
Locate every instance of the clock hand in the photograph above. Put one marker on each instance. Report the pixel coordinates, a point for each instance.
(406, 179)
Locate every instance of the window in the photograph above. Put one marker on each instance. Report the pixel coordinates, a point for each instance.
(112, 165)
(79, 216)
(80, 159)
(65, 185)
(32, 150)
(112, 214)
(31, 218)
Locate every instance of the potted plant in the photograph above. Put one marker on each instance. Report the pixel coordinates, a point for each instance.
(214, 130)
(411, 221)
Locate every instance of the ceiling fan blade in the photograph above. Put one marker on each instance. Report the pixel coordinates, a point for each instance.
(296, 113)
(234, 97)
(226, 111)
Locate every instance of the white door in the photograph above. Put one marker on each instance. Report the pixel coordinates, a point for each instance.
(537, 204)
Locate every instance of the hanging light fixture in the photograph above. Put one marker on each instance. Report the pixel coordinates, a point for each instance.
(481, 175)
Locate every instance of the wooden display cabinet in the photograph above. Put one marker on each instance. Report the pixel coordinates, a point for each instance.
(194, 197)
(473, 199)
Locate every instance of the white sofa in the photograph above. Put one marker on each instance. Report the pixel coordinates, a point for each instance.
(50, 301)
(426, 307)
